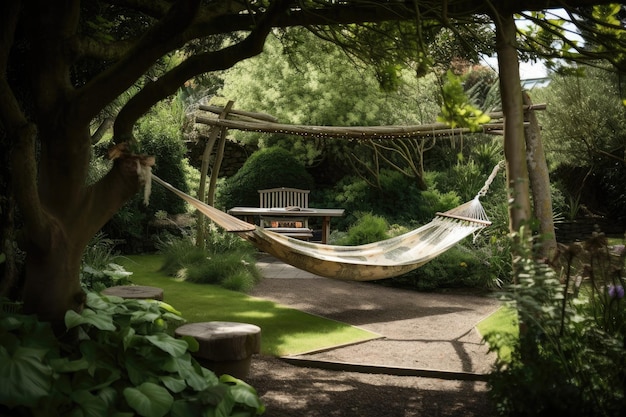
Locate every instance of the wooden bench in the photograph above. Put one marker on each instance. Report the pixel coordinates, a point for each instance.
(284, 197)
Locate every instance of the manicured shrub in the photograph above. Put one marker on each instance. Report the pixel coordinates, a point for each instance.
(266, 168)
(367, 229)
(458, 267)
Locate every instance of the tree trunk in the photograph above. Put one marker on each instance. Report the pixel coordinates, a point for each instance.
(512, 108)
(540, 183)
(61, 214)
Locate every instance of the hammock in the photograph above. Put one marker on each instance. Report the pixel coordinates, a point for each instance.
(385, 259)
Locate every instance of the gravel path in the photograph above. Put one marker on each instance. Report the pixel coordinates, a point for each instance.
(429, 361)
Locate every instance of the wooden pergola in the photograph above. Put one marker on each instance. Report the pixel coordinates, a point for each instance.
(260, 122)
(223, 118)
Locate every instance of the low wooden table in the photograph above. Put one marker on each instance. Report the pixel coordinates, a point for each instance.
(249, 213)
(139, 292)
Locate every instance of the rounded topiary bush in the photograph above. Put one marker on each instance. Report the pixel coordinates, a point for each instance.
(266, 168)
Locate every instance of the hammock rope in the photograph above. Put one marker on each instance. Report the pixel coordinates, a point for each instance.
(373, 261)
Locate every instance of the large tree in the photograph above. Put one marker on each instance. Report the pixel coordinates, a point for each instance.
(63, 63)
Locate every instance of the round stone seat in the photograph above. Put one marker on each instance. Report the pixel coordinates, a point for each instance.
(225, 347)
(139, 292)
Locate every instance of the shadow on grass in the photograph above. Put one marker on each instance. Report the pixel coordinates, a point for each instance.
(284, 331)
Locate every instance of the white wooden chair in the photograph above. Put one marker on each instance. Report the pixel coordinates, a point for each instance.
(288, 198)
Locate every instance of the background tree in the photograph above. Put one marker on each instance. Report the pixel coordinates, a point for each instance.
(306, 89)
(584, 129)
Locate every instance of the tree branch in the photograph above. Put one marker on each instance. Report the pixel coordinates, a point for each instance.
(169, 83)
(155, 43)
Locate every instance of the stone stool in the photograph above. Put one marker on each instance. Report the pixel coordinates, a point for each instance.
(140, 292)
(225, 347)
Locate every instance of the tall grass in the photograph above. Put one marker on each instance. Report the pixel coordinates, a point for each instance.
(227, 261)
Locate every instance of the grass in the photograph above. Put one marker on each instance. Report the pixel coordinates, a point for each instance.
(502, 320)
(284, 331)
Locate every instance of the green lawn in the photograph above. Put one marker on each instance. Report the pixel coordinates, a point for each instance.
(503, 320)
(284, 331)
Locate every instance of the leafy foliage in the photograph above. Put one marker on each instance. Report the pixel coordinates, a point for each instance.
(228, 261)
(584, 128)
(99, 269)
(159, 134)
(296, 80)
(266, 168)
(457, 111)
(569, 358)
(458, 267)
(584, 122)
(125, 363)
(367, 229)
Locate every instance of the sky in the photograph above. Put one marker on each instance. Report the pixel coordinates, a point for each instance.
(527, 69)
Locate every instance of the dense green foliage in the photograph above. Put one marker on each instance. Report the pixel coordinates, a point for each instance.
(99, 268)
(228, 260)
(458, 267)
(160, 135)
(583, 128)
(266, 168)
(368, 228)
(306, 89)
(570, 357)
(125, 363)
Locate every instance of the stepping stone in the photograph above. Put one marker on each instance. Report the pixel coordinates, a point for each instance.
(225, 347)
(139, 292)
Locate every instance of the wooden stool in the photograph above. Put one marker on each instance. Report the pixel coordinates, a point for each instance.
(140, 292)
(225, 347)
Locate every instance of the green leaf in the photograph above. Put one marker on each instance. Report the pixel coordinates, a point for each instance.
(137, 368)
(183, 408)
(24, 377)
(101, 322)
(90, 405)
(100, 302)
(169, 309)
(66, 365)
(149, 400)
(192, 343)
(167, 343)
(243, 393)
(173, 384)
(194, 378)
(128, 337)
(144, 316)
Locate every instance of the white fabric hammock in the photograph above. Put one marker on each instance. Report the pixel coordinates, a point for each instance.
(373, 261)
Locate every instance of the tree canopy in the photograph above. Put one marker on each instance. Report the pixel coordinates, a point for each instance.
(67, 65)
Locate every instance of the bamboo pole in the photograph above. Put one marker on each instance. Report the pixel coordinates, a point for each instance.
(350, 132)
(260, 122)
(242, 113)
(200, 237)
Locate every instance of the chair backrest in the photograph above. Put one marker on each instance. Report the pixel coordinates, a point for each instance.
(283, 197)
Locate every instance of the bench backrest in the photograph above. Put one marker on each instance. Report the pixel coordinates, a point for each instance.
(283, 197)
